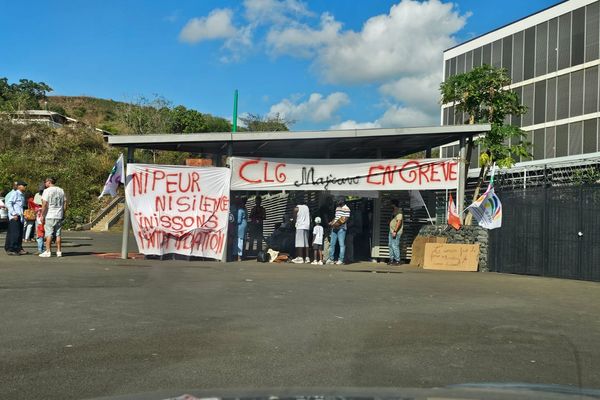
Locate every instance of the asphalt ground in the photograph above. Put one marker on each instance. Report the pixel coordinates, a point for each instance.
(83, 326)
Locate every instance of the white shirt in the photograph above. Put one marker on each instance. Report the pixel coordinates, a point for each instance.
(303, 217)
(318, 234)
(55, 197)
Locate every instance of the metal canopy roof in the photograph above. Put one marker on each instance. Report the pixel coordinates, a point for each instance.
(352, 143)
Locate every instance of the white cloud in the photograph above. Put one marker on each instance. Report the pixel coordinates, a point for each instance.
(301, 40)
(408, 40)
(399, 116)
(217, 25)
(420, 91)
(317, 108)
(351, 124)
(274, 11)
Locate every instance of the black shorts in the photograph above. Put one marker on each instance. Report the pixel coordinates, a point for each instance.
(317, 246)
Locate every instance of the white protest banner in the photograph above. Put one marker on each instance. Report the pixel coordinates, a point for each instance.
(179, 210)
(331, 174)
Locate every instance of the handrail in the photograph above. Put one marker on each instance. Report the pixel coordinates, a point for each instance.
(116, 200)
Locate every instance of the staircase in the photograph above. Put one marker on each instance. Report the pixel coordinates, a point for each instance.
(109, 216)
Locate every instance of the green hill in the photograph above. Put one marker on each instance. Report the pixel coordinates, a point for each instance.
(99, 113)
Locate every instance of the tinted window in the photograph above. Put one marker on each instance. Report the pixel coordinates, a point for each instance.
(550, 142)
(539, 114)
(469, 61)
(589, 135)
(446, 69)
(517, 69)
(576, 94)
(590, 103)
(575, 138)
(529, 61)
(552, 44)
(578, 36)
(541, 46)
(528, 102)
(562, 97)
(460, 64)
(477, 57)
(564, 41)
(539, 143)
(497, 53)
(562, 140)
(453, 66)
(592, 31)
(551, 99)
(507, 54)
(487, 54)
(516, 119)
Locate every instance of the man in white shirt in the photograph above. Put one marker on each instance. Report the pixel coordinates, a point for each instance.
(53, 213)
(302, 218)
(339, 226)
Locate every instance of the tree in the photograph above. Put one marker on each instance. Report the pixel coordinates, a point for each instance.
(25, 95)
(183, 120)
(144, 116)
(484, 96)
(258, 123)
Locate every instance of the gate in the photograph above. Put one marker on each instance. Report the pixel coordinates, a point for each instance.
(549, 231)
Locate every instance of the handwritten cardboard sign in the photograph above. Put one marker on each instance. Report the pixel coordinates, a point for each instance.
(418, 248)
(355, 175)
(178, 210)
(451, 257)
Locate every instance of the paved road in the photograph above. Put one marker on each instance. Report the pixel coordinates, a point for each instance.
(83, 327)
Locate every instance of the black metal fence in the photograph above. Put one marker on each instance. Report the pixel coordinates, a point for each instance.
(549, 231)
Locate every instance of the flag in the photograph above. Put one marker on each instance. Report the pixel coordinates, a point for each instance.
(487, 209)
(117, 175)
(453, 218)
(416, 200)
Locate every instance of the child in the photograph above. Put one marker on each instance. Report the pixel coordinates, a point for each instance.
(40, 232)
(318, 242)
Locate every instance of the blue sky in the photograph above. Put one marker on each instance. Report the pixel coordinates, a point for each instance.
(336, 63)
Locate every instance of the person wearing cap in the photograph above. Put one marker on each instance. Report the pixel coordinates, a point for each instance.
(53, 213)
(339, 226)
(15, 201)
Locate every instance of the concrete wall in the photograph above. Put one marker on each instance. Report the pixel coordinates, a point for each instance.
(466, 235)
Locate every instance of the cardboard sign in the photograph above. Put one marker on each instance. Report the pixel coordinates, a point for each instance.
(418, 248)
(353, 175)
(178, 210)
(451, 257)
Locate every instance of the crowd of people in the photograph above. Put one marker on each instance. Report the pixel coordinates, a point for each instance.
(294, 235)
(40, 215)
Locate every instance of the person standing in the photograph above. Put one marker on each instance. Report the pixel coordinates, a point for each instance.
(54, 206)
(395, 233)
(30, 215)
(14, 201)
(242, 225)
(258, 215)
(339, 226)
(302, 218)
(318, 242)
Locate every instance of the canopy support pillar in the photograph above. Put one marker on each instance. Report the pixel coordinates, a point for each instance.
(126, 220)
(462, 177)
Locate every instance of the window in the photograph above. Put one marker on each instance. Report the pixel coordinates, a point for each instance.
(562, 140)
(451, 115)
(446, 69)
(517, 67)
(460, 64)
(550, 142)
(575, 138)
(590, 103)
(564, 41)
(576, 93)
(552, 44)
(497, 53)
(592, 31)
(487, 54)
(562, 97)
(453, 66)
(469, 62)
(529, 53)
(539, 108)
(477, 57)
(507, 54)
(589, 135)
(528, 102)
(528, 143)
(551, 99)
(539, 142)
(578, 36)
(541, 46)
